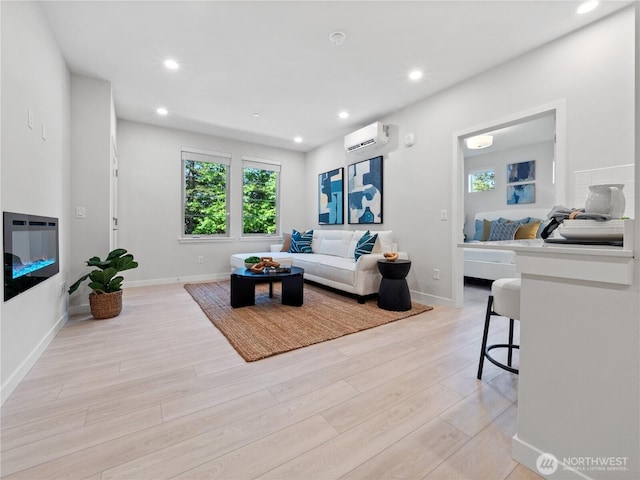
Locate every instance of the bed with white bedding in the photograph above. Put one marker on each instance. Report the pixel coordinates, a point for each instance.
(491, 264)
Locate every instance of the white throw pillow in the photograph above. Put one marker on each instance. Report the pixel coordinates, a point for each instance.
(337, 248)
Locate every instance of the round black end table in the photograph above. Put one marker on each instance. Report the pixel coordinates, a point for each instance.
(394, 291)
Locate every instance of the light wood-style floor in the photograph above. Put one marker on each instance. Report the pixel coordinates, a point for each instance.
(159, 393)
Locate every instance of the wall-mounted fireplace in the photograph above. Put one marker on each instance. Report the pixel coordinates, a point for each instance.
(30, 251)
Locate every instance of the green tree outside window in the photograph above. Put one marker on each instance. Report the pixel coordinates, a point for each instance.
(259, 202)
(205, 206)
(482, 181)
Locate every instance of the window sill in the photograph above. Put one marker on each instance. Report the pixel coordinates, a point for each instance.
(205, 239)
(261, 238)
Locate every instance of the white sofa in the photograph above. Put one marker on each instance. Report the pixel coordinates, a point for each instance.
(332, 262)
(494, 264)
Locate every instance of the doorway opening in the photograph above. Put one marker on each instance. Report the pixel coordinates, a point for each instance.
(539, 132)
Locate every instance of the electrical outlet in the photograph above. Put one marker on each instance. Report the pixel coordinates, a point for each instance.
(436, 274)
(201, 259)
(63, 288)
(443, 215)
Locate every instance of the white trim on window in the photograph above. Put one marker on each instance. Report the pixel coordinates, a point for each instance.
(200, 155)
(260, 163)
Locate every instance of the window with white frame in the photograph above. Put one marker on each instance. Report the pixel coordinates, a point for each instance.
(260, 196)
(482, 180)
(205, 180)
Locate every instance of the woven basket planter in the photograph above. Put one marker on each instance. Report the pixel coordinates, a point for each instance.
(105, 305)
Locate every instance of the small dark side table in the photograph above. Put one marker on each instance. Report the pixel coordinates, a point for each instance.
(394, 291)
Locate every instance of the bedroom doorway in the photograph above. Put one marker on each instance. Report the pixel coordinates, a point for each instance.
(513, 139)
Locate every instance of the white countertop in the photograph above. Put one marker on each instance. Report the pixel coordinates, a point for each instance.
(538, 246)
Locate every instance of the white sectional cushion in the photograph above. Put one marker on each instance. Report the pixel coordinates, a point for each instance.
(320, 235)
(309, 261)
(336, 248)
(338, 269)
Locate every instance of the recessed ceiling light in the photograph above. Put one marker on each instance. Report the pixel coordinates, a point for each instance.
(298, 139)
(343, 114)
(162, 111)
(586, 7)
(255, 114)
(171, 64)
(415, 75)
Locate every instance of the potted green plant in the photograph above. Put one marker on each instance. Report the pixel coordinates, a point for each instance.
(106, 298)
(251, 261)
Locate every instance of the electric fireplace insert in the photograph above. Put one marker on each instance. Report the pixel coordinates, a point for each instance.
(30, 251)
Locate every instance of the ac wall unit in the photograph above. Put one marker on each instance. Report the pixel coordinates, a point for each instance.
(374, 134)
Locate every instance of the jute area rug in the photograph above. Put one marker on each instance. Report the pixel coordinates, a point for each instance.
(269, 328)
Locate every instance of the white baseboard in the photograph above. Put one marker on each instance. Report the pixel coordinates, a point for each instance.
(528, 455)
(428, 299)
(16, 377)
(213, 277)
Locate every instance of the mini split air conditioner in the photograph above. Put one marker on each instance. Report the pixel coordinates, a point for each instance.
(374, 134)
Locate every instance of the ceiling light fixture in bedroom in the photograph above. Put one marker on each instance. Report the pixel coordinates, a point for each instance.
(587, 7)
(337, 38)
(479, 141)
(171, 64)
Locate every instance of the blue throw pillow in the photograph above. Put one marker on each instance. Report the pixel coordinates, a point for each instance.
(365, 244)
(479, 230)
(503, 231)
(301, 241)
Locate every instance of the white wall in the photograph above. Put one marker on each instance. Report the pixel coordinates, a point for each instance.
(91, 113)
(35, 174)
(150, 201)
(591, 69)
(496, 199)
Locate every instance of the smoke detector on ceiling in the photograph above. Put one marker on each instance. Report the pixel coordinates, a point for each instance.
(337, 38)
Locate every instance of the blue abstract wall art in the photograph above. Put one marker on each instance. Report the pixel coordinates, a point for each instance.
(522, 193)
(521, 172)
(331, 197)
(365, 191)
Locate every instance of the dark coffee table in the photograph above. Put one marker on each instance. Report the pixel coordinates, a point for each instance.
(394, 292)
(243, 286)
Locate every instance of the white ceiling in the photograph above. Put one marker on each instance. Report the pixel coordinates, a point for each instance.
(274, 57)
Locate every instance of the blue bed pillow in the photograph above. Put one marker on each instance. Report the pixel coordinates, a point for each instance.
(503, 231)
(479, 230)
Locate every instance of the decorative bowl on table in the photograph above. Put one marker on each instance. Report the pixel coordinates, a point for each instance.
(251, 261)
(390, 256)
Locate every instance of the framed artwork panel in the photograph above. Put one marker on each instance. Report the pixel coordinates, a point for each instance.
(331, 197)
(521, 171)
(521, 193)
(364, 180)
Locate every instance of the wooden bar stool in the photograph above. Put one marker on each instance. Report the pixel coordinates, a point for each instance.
(504, 301)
